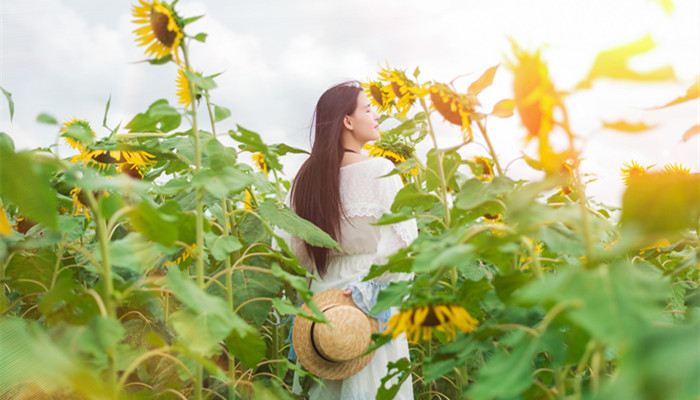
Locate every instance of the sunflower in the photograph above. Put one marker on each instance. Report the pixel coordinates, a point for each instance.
(676, 168)
(74, 144)
(402, 88)
(183, 89)
(495, 220)
(566, 171)
(376, 150)
(185, 254)
(535, 96)
(632, 169)
(259, 160)
(454, 107)
(105, 159)
(486, 164)
(160, 30)
(538, 250)
(5, 227)
(379, 95)
(419, 323)
(79, 203)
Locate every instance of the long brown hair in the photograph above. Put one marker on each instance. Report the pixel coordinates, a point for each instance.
(316, 188)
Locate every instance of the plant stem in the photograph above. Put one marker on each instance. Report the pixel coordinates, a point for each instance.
(482, 128)
(106, 267)
(199, 211)
(438, 156)
(229, 295)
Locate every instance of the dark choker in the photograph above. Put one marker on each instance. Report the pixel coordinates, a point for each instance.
(352, 151)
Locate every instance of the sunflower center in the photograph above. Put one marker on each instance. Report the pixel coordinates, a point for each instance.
(159, 23)
(377, 94)
(431, 319)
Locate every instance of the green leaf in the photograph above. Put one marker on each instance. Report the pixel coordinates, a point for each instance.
(249, 349)
(561, 240)
(506, 375)
(6, 142)
(10, 103)
(204, 83)
(438, 256)
(250, 285)
(200, 331)
(219, 156)
(221, 113)
(202, 37)
(397, 371)
(253, 143)
(190, 20)
(206, 320)
(100, 335)
(80, 133)
(661, 203)
(222, 183)
(663, 363)
(287, 220)
(104, 120)
(161, 61)
(392, 296)
(474, 192)
(412, 198)
(134, 252)
(612, 302)
(153, 224)
(25, 182)
(221, 247)
(160, 117)
(506, 285)
(450, 162)
(46, 119)
(31, 272)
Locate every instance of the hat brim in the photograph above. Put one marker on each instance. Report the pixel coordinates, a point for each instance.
(307, 355)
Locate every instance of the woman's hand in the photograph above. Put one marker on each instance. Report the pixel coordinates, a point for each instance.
(347, 292)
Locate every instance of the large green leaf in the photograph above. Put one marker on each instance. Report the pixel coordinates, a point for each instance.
(25, 182)
(663, 363)
(613, 303)
(32, 272)
(30, 358)
(222, 183)
(286, 219)
(134, 252)
(474, 192)
(160, 117)
(507, 374)
(661, 203)
(206, 320)
(154, 224)
(252, 285)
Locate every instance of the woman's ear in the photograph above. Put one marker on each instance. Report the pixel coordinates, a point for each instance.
(347, 123)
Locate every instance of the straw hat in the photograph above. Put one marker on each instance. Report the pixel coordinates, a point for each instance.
(332, 351)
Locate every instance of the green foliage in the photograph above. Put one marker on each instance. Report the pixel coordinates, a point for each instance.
(168, 278)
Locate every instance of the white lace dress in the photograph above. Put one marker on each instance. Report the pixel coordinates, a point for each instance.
(365, 196)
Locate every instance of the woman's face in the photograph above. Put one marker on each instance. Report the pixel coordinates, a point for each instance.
(362, 123)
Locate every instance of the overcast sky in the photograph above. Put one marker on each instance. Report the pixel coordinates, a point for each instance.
(66, 57)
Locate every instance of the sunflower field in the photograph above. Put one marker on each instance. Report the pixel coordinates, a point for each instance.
(143, 267)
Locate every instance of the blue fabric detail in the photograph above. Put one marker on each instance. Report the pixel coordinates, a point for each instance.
(365, 294)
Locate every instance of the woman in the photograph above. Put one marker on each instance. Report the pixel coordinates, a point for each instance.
(343, 192)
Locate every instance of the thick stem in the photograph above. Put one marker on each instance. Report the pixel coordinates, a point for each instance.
(438, 155)
(482, 128)
(199, 212)
(229, 295)
(106, 269)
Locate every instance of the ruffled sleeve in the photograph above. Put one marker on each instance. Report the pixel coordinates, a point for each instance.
(395, 236)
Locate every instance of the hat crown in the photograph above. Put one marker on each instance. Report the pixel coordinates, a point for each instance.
(346, 336)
